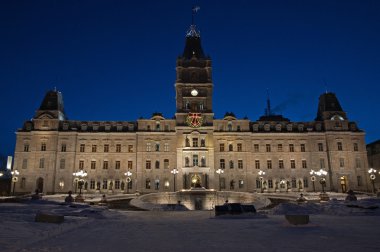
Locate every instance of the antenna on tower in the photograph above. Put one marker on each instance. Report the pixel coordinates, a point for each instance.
(268, 110)
(324, 81)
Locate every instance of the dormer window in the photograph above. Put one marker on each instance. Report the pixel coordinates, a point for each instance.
(107, 127)
(229, 126)
(289, 127)
(65, 126)
(267, 127)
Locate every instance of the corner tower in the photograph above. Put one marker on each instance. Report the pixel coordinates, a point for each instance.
(193, 83)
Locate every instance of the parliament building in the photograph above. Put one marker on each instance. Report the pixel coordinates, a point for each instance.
(191, 149)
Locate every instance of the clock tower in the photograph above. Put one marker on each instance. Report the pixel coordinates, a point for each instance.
(193, 84)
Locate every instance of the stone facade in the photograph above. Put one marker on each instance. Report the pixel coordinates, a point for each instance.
(50, 147)
(373, 150)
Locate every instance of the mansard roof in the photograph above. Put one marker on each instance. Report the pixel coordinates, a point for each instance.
(52, 105)
(329, 104)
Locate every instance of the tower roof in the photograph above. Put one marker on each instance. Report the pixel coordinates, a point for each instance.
(193, 47)
(53, 105)
(328, 105)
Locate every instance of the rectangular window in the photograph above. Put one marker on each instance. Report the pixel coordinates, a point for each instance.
(356, 147)
(291, 147)
(148, 147)
(231, 164)
(221, 147)
(157, 147)
(258, 183)
(63, 147)
(240, 164)
(268, 148)
(320, 146)
(166, 147)
(241, 184)
(304, 164)
(117, 165)
(93, 165)
(92, 184)
(62, 164)
(130, 148)
(81, 164)
(166, 163)
(195, 142)
(130, 165)
(239, 147)
(24, 163)
(359, 180)
(292, 164)
(256, 148)
(81, 148)
(195, 160)
(358, 163)
(117, 184)
(148, 164)
(279, 147)
(294, 183)
(322, 163)
(106, 148)
(43, 147)
(270, 183)
(340, 146)
(26, 147)
(105, 164)
(93, 149)
(341, 162)
(157, 165)
(105, 184)
(257, 164)
(222, 164)
(281, 164)
(42, 162)
(305, 182)
(269, 164)
(303, 148)
(118, 147)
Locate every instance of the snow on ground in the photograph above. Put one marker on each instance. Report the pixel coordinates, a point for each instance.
(333, 227)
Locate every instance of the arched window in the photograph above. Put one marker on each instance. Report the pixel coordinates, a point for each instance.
(230, 147)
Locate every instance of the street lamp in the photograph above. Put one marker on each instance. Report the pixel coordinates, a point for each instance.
(220, 171)
(261, 174)
(372, 176)
(174, 172)
(129, 180)
(14, 173)
(313, 180)
(79, 176)
(322, 174)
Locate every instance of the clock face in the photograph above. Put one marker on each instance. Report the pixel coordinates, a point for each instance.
(194, 92)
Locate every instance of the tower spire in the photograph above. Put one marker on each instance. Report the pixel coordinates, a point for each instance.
(193, 32)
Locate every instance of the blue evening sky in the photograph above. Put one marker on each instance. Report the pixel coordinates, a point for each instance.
(115, 59)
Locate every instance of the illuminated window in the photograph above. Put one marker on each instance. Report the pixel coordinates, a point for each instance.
(148, 147)
(166, 147)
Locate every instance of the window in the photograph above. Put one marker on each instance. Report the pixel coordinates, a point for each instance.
(241, 184)
(270, 183)
(81, 164)
(292, 164)
(166, 147)
(157, 164)
(130, 148)
(203, 161)
(239, 147)
(320, 146)
(304, 164)
(118, 147)
(222, 164)
(42, 162)
(187, 142)
(26, 147)
(291, 147)
(117, 165)
(43, 147)
(279, 147)
(195, 160)
(232, 184)
(81, 148)
(221, 147)
(358, 163)
(62, 164)
(203, 143)
(24, 163)
(130, 165)
(63, 147)
(341, 162)
(157, 147)
(356, 147)
(269, 164)
(158, 126)
(240, 164)
(268, 147)
(305, 182)
(230, 147)
(340, 146)
(322, 163)
(92, 184)
(148, 164)
(281, 164)
(106, 148)
(166, 184)
(258, 183)
(147, 183)
(105, 184)
(257, 164)
(166, 163)
(303, 148)
(187, 162)
(117, 184)
(359, 180)
(148, 147)
(294, 183)
(256, 148)
(93, 149)
(231, 164)
(195, 142)
(229, 126)
(105, 164)
(93, 165)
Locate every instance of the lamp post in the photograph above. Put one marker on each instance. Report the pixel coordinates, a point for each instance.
(174, 172)
(261, 174)
(322, 174)
(128, 174)
(220, 171)
(15, 174)
(372, 177)
(313, 180)
(79, 176)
